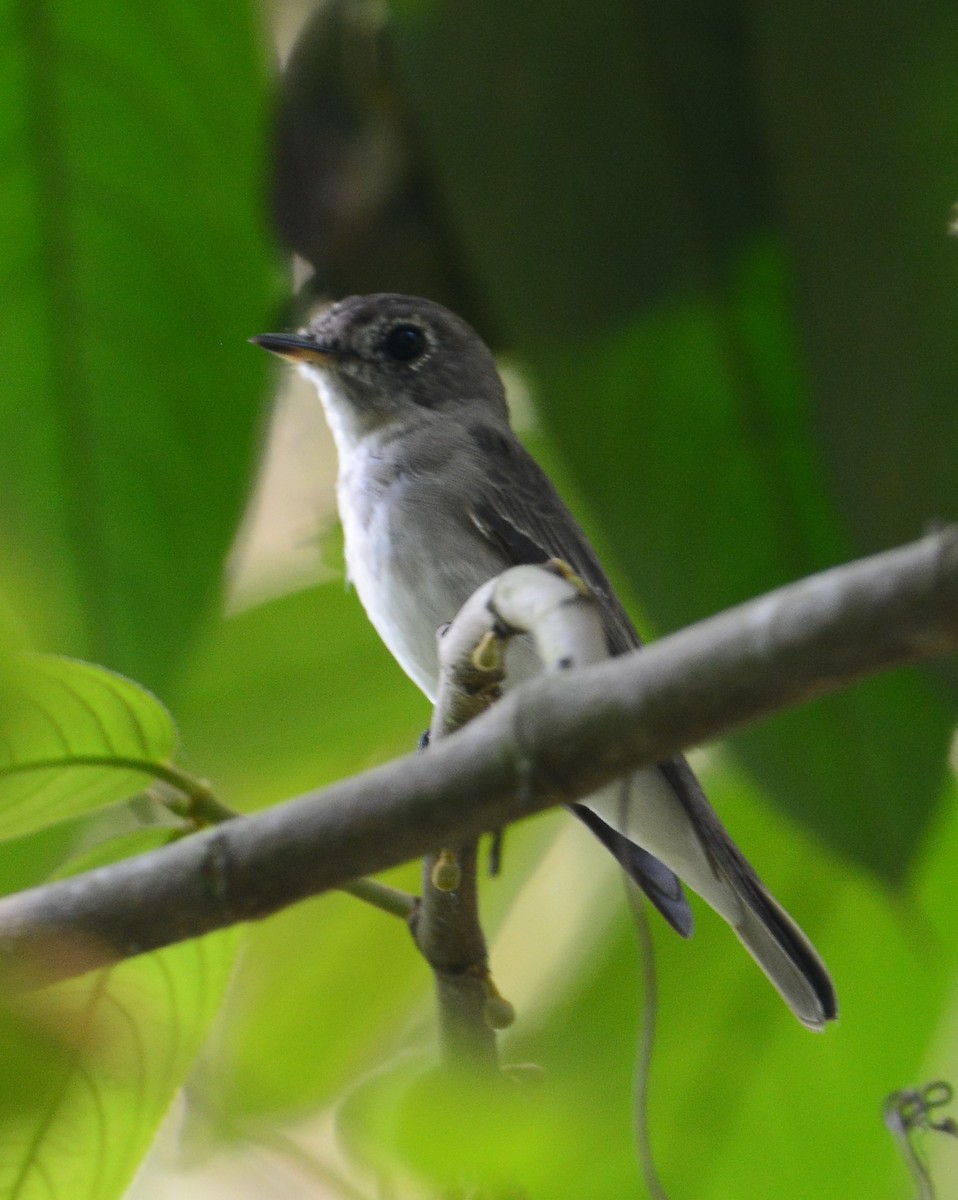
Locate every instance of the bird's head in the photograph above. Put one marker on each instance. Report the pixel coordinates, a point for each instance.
(382, 358)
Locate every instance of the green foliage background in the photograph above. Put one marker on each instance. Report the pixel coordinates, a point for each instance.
(715, 238)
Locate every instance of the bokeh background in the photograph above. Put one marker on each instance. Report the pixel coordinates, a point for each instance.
(712, 242)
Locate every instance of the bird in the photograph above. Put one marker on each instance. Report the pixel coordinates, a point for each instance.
(437, 495)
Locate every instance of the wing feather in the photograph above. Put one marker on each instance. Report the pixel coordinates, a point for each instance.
(525, 517)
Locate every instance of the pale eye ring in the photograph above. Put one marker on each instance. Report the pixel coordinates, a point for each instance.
(405, 342)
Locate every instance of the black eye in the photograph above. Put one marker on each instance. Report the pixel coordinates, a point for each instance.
(404, 343)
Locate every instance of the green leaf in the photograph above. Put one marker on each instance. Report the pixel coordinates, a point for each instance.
(75, 738)
(878, 331)
(29, 860)
(129, 401)
(572, 189)
(90, 1067)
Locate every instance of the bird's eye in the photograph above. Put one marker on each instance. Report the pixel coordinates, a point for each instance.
(404, 343)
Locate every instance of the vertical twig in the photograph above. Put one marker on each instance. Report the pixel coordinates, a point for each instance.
(447, 927)
(449, 934)
(643, 1066)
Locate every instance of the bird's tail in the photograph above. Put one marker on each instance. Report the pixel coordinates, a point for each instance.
(665, 812)
(786, 955)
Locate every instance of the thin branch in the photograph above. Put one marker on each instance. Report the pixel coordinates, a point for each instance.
(382, 896)
(197, 799)
(449, 935)
(555, 739)
(643, 1066)
(447, 928)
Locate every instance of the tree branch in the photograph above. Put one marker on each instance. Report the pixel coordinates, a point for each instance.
(551, 741)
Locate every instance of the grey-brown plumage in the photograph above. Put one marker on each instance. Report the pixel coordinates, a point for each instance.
(437, 495)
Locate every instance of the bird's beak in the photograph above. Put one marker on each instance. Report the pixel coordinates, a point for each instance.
(294, 347)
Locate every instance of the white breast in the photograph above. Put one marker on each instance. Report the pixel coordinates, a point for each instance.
(394, 587)
(411, 553)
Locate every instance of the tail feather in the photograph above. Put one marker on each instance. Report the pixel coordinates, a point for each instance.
(661, 885)
(788, 959)
(665, 813)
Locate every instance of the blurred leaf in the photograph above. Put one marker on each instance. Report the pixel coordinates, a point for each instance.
(569, 190)
(57, 712)
(350, 194)
(89, 1074)
(476, 1137)
(322, 993)
(876, 283)
(49, 852)
(90, 1066)
(702, 400)
(29, 860)
(293, 694)
(875, 268)
(129, 399)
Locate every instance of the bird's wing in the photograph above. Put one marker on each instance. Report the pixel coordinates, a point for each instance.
(523, 514)
(525, 517)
